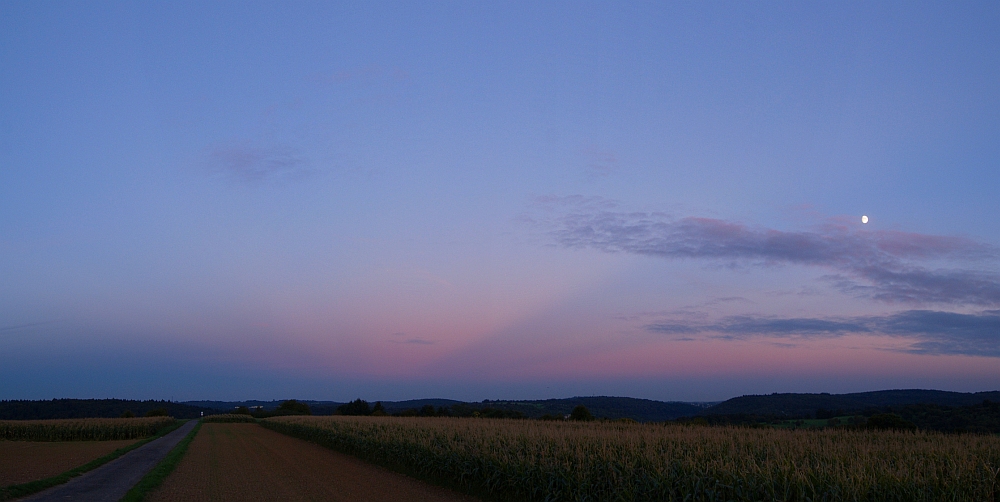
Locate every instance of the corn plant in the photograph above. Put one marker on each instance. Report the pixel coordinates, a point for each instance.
(82, 429)
(616, 461)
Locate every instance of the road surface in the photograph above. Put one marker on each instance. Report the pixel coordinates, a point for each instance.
(111, 481)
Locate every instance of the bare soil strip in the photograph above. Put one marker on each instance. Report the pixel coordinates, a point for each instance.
(112, 480)
(23, 461)
(236, 462)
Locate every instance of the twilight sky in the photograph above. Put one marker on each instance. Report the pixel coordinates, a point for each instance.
(503, 200)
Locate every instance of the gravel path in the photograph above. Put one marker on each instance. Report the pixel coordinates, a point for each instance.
(113, 480)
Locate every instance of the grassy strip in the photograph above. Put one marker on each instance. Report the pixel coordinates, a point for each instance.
(25, 489)
(154, 478)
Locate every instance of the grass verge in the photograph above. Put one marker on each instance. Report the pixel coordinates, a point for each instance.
(25, 489)
(154, 478)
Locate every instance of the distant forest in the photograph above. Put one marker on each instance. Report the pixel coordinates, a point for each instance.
(924, 409)
(806, 405)
(94, 408)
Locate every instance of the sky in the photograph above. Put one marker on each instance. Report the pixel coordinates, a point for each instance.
(506, 200)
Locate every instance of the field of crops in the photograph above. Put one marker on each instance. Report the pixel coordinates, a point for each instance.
(233, 461)
(82, 429)
(598, 461)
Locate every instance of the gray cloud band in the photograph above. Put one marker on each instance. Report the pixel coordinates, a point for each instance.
(932, 332)
(252, 163)
(876, 264)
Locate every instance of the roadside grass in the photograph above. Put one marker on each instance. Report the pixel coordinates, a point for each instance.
(25, 489)
(155, 477)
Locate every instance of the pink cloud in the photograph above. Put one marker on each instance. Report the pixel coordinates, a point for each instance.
(879, 264)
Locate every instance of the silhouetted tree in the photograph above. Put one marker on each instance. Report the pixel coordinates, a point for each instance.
(357, 407)
(581, 413)
(293, 407)
(128, 414)
(890, 421)
(157, 412)
(379, 410)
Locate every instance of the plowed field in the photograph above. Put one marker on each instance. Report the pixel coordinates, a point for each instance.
(23, 461)
(248, 462)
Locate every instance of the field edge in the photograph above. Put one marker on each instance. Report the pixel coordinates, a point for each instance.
(397, 467)
(31, 487)
(155, 477)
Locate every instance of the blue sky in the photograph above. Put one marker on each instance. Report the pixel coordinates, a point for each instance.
(517, 200)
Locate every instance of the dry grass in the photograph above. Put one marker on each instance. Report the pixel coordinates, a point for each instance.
(82, 429)
(533, 460)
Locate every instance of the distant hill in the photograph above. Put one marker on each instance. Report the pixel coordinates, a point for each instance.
(983, 418)
(93, 408)
(325, 407)
(230, 405)
(918, 396)
(317, 407)
(643, 410)
(806, 405)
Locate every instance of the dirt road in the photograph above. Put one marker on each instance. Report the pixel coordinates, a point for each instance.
(236, 462)
(112, 480)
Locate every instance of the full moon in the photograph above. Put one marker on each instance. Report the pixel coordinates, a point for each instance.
(864, 219)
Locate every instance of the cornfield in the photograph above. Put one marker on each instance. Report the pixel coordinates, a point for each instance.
(612, 461)
(228, 418)
(82, 429)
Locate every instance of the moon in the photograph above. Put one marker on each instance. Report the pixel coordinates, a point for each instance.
(864, 219)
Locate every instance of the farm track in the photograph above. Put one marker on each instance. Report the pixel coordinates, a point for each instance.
(236, 462)
(111, 481)
(24, 461)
